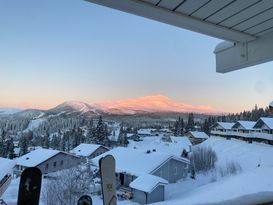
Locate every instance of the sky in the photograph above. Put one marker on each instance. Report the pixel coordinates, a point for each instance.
(58, 50)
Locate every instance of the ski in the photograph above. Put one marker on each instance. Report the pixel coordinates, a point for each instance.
(85, 200)
(30, 187)
(108, 180)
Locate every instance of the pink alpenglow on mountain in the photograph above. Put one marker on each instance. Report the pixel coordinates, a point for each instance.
(156, 103)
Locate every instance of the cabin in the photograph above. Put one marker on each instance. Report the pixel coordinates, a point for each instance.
(88, 151)
(197, 137)
(6, 168)
(265, 127)
(244, 130)
(133, 163)
(148, 189)
(222, 129)
(46, 160)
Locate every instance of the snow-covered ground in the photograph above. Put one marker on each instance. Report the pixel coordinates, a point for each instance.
(34, 124)
(253, 185)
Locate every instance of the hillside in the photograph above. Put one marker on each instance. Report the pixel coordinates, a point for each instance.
(253, 185)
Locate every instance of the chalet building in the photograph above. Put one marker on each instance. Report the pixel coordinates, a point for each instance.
(260, 131)
(133, 163)
(46, 160)
(196, 137)
(222, 129)
(146, 132)
(264, 127)
(6, 168)
(148, 189)
(244, 126)
(88, 151)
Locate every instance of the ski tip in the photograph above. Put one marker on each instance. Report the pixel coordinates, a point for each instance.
(33, 170)
(85, 200)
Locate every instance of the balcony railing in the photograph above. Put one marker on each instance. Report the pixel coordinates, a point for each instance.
(257, 135)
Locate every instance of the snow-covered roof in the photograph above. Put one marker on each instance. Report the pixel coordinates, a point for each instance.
(6, 166)
(266, 120)
(136, 162)
(36, 157)
(175, 147)
(226, 125)
(85, 150)
(147, 183)
(199, 135)
(145, 131)
(248, 125)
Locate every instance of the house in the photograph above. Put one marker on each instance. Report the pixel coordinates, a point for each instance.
(146, 132)
(196, 137)
(132, 163)
(6, 168)
(148, 189)
(265, 127)
(46, 160)
(243, 130)
(89, 151)
(222, 129)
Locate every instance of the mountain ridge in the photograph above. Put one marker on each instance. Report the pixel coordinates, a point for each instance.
(130, 106)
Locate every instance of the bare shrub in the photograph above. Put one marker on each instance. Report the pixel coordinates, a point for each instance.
(231, 168)
(67, 187)
(203, 158)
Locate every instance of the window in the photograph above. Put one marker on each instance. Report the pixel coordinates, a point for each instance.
(54, 164)
(62, 163)
(46, 167)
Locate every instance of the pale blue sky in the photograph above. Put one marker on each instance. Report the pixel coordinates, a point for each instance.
(57, 50)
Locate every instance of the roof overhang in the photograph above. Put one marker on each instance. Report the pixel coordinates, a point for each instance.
(247, 24)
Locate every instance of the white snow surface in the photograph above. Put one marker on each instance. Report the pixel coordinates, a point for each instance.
(147, 183)
(175, 147)
(252, 186)
(34, 124)
(199, 135)
(36, 157)
(133, 161)
(6, 166)
(85, 150)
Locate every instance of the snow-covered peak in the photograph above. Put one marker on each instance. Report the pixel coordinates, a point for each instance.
(76, 105)
(154, 103)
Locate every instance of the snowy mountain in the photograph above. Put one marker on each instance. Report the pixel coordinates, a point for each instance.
(9, 111)
(140, 105)
(75, 108)
(149, 104)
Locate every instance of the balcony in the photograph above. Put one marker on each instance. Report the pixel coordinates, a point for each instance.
(257, 135)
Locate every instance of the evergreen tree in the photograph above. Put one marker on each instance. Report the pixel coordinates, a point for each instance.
(10, 149)
(101, 132)
(23, 144)
(190, 125)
